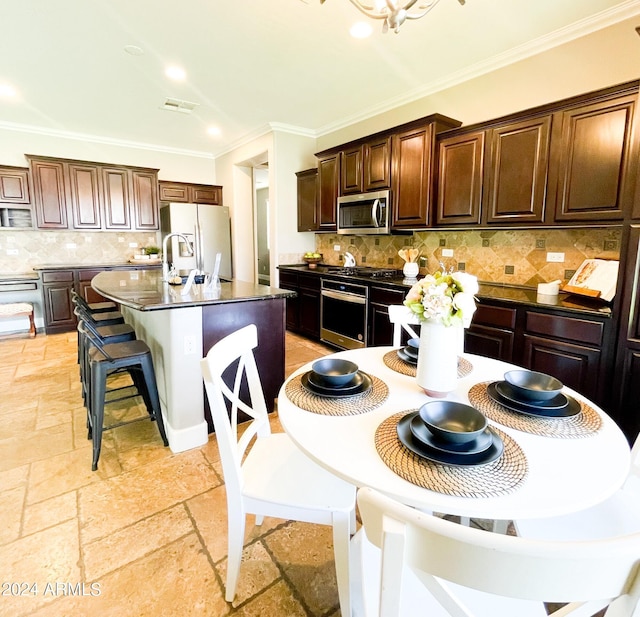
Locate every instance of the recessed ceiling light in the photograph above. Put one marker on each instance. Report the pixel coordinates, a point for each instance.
(176, 73)
(7, 91)
(134, 50)
(360, 30)
(214, 131)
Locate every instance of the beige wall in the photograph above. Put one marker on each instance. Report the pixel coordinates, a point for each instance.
(571, 69)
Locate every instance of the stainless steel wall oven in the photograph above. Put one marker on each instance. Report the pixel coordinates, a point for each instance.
(343, 314)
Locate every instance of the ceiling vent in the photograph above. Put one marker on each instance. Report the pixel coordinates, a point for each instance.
(185, 107)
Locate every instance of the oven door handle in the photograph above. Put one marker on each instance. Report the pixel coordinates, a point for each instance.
(344, 296)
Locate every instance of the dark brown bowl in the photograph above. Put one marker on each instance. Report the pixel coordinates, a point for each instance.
(335, 371)
(533, 386)
(451, 421)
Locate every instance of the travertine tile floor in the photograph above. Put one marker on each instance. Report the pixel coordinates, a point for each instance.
(146, 533)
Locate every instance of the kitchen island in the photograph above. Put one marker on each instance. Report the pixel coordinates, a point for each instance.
(180, 329)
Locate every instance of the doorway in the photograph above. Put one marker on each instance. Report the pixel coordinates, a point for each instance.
(261, 222)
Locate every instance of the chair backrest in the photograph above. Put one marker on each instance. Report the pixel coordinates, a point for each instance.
(632, 483)
(595, 572)
(236, 348)
(93, 338)
(402, 317)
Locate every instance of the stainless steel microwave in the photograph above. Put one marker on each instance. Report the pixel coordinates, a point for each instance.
(365, 213)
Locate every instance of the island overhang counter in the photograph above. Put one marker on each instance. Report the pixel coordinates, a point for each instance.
(180, 329)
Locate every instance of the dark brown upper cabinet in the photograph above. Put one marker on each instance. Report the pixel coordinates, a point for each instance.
(516, 172)
(328, 189)
(84, 196)
(351, 171)
(307, 185)
(185, 192)
(591, 157)
(116, 191)
(377, 164)
(459, 186)
(71, 194)
(14, 185)
(366, 167)
(411, 173)
(50, 193)
(144, 188)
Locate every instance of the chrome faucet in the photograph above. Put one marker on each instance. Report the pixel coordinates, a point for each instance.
(349, 260)
(165, 263)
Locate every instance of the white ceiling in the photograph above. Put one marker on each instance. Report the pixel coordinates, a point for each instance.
(254, 63)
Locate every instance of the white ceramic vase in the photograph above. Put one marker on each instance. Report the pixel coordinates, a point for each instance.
(437, 370)
(410, 269)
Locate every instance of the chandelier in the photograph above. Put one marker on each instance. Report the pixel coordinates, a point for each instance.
(394, 12)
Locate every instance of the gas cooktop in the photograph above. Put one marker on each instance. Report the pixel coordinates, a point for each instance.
(364, 272)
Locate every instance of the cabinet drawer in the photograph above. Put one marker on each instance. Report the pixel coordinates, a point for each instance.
(289, 278)
(382, 295)
(59, 276)
(87, 275)
(570, 328)
(498, 316)
(309, 281)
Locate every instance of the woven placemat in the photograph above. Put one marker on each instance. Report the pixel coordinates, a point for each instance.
(397, 364)
(583, 424)
(501, 477)
(343, 406)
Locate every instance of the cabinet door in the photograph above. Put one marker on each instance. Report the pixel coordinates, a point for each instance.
(117, 212)
(460, 164)
(307, 185)
(576, 366)
(176, 192)
(377, 165)
(411, 173)
(516, 176)
(380, 328)
(205, 194)
(84, 196)
(50, 199)
(490, 342)
(84, 288)
(328, 185)
(309, 312)
(145, 199)
(589, 175)
(14, 185)
(56, 295)
(351, 171)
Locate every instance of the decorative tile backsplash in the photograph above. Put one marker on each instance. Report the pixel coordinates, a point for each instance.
(511, 256)
(21, 250)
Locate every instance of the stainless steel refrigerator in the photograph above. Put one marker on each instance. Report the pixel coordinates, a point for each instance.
(208, 228)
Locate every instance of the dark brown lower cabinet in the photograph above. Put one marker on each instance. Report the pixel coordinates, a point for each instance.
(56, 295)
(380, 329)
(303, 311)
(626, 386)
(492, 332)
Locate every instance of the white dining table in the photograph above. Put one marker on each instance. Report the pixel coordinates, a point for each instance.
(563, 474)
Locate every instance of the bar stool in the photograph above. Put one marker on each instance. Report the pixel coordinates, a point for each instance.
(118, 333)
(93, 307)
(133, 356)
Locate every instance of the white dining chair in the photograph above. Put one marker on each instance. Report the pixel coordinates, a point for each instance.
(408, 563)
(272, 477)
(618, 515)
(402, 318)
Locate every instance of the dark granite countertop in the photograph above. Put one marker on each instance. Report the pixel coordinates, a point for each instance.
(144, 290)
(515, 294)
(116, 264)
(7, 277)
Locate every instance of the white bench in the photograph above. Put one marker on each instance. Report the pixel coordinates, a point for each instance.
(16, 309)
